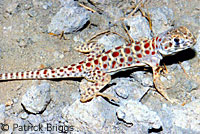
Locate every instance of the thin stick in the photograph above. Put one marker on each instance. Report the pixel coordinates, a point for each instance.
(88, 8)
(99, 34)
(183, 69)
(121, 36)
(135, 8)
(124, 27)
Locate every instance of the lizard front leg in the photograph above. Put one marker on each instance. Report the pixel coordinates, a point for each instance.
(154, 62)
(158, 85)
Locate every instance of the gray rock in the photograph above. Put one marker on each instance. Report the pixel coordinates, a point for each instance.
(133, 112)
(37, 98)
(190, 85)
(188, 116)
(69, 3)
(24, 115)
(70, 18)
(122, 92)
(192, 20)
(110, 41)
(123, 87)
(161, 19)
(197, 45)
(2, 108)
(46, 5)
(136, 129)
(181, 119)
(163, 79)
(102, 2)
(14, 124)
(2, 113)
(15, 100)
(128, 88)
(139, 27)
(35, 119)
(114, 13)
(84, 115)
(88, 116)
(32, 13)
(143, 77)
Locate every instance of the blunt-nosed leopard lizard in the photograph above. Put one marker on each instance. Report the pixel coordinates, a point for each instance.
(99, 65)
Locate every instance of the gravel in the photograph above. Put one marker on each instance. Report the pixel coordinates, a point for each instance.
(25, 44)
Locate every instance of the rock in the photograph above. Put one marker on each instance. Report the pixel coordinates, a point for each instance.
(187, 117)
(114, 13)
(69, 3)
(35, 119)
(14, 124)
(161, 19)
(102, 2)
(110, 41)
(184, 119)
(24, 115)
(69, 19)
(138, 27)
(197, 45)
(136, 129)
(46, 5)
(133, 112)
(127, 88)
(122, 92)
(143, 77)
(83, 115)
(37, 98)
(190, 85)
(163, 79)
(15, 100)
(2, 113)
(190, 20)
(89, 117)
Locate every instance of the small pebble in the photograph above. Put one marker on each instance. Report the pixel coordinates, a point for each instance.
(121, 114)
(122, 92)
(24, 115)
(163, 79)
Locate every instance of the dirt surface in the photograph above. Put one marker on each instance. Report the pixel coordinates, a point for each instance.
(25, 44)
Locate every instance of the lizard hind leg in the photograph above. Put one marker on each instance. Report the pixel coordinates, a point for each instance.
(91, 87)
(90, 47)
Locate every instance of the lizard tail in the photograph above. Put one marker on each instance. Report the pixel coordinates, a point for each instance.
(74, 70)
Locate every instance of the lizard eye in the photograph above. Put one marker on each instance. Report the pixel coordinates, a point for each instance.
(176, 41)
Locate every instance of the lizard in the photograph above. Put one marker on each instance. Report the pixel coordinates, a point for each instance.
(99, 65)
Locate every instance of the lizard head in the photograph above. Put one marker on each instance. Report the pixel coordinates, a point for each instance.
(175, 40)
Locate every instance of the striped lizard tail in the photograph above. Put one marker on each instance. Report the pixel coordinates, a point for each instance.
(74, 70)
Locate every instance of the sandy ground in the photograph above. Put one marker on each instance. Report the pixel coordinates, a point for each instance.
(26, 45)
